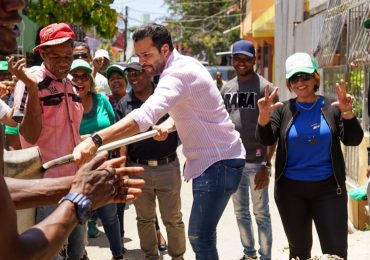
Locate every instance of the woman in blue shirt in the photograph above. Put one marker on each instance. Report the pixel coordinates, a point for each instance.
(309, 166)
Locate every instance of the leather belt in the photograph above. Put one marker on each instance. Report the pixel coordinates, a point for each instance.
(155, 162)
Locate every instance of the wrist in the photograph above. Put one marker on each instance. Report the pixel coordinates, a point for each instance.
(347, 114)
(97, 140)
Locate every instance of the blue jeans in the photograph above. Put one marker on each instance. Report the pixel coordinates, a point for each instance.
(261, 211)
(211, 193)
(109, 219)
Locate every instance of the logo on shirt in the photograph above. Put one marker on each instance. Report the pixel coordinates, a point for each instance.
(52, 89)
(236, 100)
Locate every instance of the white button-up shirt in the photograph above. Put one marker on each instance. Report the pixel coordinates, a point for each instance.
(186, 92)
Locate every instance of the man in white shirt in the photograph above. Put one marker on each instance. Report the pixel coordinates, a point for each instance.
(214, 153)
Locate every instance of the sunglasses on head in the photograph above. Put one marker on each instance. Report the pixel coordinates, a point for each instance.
(133, 73)
(300, 77)
(80, 56)
(83, 77)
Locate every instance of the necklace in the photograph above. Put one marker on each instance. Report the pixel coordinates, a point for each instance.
(307, 108)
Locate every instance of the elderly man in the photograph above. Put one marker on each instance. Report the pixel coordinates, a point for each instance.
(91, 187)
(53, 111)
(214, 153)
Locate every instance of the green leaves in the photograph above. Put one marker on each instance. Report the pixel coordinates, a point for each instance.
(199, 24)
(86, 13)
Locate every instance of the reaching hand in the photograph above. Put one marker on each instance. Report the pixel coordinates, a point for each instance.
(345, 100)
(84, 151)
(266, 104)
(19, 70)
(105, 182)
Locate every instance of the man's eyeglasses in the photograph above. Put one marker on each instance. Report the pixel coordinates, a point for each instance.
(80, 56)
(300, 77)
(83, 77)
(133, 73)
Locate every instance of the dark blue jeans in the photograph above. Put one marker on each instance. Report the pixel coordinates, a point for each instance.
(211, 193)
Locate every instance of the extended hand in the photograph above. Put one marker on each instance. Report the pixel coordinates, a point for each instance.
(84, 151)
(106, 183)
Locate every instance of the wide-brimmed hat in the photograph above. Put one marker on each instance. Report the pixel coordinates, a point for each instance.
(81, 64)
(54, 34)
(300, 62)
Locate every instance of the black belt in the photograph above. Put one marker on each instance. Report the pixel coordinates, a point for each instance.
(155, 162)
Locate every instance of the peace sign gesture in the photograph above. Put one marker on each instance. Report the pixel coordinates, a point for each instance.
(266, 105)
(345, 100)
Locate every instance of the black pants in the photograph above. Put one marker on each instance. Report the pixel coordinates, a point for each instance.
(300, 202)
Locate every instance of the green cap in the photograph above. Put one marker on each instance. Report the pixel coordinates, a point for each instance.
(3, 65)
(81, 64)
(367, 24)
(300, 62)
(115, 68)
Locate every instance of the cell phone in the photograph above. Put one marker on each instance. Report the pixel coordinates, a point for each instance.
(3, 65)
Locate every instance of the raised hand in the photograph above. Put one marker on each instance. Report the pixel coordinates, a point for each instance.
(18, 69)
(345, 100)
(266, 104)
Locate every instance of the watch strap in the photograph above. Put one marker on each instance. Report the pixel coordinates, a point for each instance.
(97, 139)
(82, 205)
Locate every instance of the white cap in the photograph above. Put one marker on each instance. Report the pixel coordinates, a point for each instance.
(300, 62)
(102, 53)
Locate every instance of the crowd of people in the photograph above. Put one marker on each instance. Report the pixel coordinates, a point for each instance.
(75, 103)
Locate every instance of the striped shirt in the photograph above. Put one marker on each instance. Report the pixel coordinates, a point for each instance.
(188, 94)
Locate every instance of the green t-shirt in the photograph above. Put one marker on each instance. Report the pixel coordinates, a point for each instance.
(99, 117)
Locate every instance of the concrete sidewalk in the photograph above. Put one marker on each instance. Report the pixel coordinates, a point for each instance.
(228, 242)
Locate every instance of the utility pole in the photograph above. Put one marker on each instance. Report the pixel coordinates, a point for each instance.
(125, 33)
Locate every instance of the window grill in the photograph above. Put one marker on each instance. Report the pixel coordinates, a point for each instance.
(343, 23)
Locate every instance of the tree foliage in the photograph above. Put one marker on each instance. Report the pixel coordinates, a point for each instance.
(85, 13)
(199, 25)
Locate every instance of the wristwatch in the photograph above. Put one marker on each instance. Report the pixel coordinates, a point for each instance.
(266, 164)
(97, 139)
(83, 205)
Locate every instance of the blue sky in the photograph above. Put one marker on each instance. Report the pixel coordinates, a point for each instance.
(138, 8)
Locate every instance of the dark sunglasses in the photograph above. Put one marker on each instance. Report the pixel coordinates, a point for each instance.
(80, 56)
(133, 73)
(83, 77)
(300, 77)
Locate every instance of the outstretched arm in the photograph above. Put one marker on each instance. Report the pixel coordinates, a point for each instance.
(101, 185)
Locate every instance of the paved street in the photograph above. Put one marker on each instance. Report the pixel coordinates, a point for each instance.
(228, 243)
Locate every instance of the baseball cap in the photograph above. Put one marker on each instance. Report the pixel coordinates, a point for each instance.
(115, 68)
(134, 65)
(300, 62)
(81, 64)
(102, 53)
(244, 47)
(367, 23)
(54, 34)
